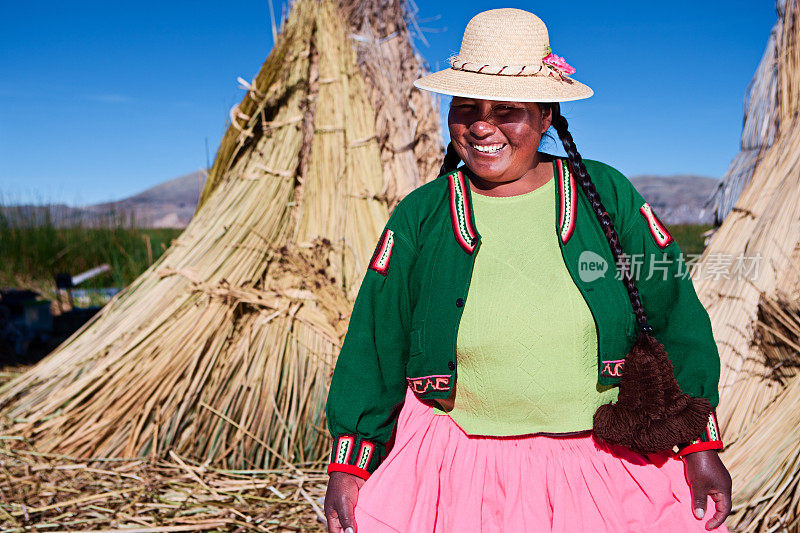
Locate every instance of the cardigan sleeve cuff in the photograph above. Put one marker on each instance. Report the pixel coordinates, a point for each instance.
(355, 455)
(710, 439)
(350, 469)
(699, 447)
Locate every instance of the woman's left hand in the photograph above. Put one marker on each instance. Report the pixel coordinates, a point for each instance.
(707, 476)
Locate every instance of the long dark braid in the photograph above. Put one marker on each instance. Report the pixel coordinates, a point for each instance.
(451, 160)
(578, 168)
(651, 412)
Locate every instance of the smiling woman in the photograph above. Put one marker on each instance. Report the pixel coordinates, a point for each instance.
(474, 388)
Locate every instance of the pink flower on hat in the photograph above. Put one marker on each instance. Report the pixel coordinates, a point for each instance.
(558, 63)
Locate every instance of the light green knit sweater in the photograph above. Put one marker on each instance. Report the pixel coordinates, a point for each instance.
(527, 344)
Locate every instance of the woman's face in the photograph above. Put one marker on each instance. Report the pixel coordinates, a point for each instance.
(497, 141)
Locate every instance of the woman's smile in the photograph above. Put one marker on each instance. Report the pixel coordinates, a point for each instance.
(490, 150)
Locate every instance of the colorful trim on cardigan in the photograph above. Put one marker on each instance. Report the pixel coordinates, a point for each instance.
(383, 253)
(657, 229)
(350, 469)
(567, 202)
(612, 369)
(710, 439)
(425, 384)
(460, 212)
(342, 453)
(365, 454)
(343, 449)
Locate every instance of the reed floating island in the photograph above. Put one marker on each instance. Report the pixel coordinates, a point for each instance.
(195, 399)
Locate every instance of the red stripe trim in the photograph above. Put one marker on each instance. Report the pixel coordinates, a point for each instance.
(350, 469)
(653, 219)
(352, 441)
(613, 369)
(701, 446)
(379, 251)
(468, 247)
(713, 421)
(454, 215)
(561, 207)
(467, 207)
(368, 446)
(663, 228)
(421, 385)
(573, 207)
(562, 203)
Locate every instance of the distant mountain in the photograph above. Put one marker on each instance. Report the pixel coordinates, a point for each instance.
(167, 205)
(678, 199)
(675, 199)
(184, 190)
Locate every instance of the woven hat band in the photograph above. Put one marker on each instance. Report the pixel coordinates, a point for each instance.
(500, 70)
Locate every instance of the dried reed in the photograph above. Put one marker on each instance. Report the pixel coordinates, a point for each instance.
(765, 461)
(49, 492)
(763, 225)
(755, 318)
(406, 120)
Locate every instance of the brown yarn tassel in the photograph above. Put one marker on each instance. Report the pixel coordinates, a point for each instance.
(651, 414)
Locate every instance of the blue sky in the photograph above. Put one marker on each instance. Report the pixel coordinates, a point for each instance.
(100, 100)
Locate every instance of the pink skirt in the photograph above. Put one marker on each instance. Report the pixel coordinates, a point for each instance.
(437, 478)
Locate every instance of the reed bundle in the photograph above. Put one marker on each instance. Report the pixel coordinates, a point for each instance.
(406, 120)
(762, 226)
(46, 492)
(222, 350)
(407, 125)
(765, 461)
(754, 314)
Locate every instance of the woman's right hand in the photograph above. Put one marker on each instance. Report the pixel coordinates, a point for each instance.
(340, 502)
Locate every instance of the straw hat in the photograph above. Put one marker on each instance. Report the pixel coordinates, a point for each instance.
(505, 55)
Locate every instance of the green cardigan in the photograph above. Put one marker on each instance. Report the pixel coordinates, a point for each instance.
(405, 319)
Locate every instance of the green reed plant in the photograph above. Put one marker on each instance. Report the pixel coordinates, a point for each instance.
(689, 237)
(38, 242)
